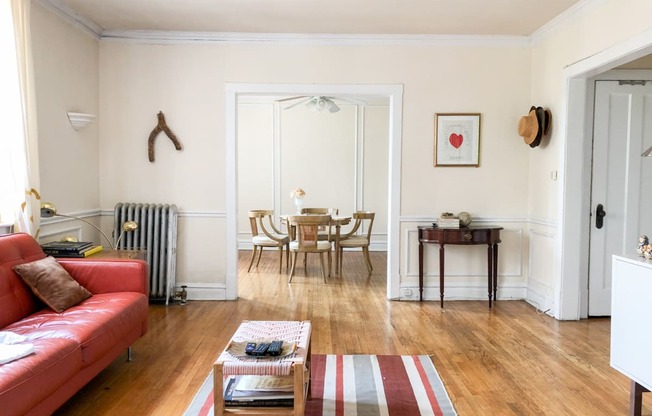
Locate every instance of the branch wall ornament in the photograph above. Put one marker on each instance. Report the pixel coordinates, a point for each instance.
(160, 127)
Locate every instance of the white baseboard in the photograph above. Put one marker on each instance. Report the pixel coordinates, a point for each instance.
(411, 292)
(204, 291)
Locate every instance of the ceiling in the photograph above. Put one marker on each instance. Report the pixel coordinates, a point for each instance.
(339, 17)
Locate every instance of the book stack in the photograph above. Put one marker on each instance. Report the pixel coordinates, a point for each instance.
(70, 249)
(448, 223)
(259, 391)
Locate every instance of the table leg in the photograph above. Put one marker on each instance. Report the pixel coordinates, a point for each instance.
(441, 275)
(299, 388)
(420, 271)
(218, 390)
(338, 264)
(495, 269)
(636, 398)
(489, 270)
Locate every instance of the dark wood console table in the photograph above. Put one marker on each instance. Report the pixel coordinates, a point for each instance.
(472, 235)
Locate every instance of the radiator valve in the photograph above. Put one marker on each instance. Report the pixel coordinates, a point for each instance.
(182, 294)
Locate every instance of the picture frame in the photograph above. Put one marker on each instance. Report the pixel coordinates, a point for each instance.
(457, 139)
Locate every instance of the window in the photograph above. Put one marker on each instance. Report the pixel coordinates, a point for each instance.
(13, 153)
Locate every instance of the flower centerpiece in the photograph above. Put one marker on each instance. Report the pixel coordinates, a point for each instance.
(298, 195)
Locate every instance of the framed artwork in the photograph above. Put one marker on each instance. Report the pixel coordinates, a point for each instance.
(457, 139)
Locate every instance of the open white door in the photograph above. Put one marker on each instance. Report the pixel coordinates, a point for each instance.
(619, 133)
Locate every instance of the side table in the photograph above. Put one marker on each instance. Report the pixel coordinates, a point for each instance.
(462, 236)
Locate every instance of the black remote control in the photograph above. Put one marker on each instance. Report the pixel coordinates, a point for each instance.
(249, 349)
(261, 349)
(275, 348)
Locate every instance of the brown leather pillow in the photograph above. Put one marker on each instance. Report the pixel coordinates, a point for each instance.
(51, 283)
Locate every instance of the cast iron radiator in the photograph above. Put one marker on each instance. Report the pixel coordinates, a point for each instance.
(157, 234)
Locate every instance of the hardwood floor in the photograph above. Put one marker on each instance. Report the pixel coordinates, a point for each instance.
(509, 360)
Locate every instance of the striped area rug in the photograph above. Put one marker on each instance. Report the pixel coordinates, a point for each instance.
(363, 385)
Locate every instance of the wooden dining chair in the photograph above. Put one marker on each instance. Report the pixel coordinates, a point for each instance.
(323, 233)
(307, 240)
(267, 235)
(364, 220)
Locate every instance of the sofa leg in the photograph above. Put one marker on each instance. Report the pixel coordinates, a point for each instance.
(129, 354)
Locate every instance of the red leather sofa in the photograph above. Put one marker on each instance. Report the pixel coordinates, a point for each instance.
(70, 347)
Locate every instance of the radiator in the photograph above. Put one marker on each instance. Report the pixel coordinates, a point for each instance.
(157, 234)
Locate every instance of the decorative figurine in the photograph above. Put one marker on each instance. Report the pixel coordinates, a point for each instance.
(643, 245)
(465, 218)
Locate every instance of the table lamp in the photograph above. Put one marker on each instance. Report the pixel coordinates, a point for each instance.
(49, 210)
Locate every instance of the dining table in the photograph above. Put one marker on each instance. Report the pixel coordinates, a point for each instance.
(337, 221)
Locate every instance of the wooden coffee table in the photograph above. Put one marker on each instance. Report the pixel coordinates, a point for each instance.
(297, 364)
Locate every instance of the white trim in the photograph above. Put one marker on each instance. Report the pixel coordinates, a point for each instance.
(579, 9)
(395, 95)
(186, 214)
(69, 15)
(204, 291)
(180, 37)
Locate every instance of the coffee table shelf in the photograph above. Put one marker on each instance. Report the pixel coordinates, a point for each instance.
(297, 364)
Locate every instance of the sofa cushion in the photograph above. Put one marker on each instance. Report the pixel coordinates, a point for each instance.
(96, 324)
(16, 298)
(29, 380)
(52, 283)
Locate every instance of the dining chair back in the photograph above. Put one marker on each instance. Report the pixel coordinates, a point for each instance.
(364, 222)
(323, 234)
(322, 211)
(265, 234)
(306, 239)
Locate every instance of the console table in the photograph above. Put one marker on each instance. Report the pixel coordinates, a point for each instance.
(472, 235)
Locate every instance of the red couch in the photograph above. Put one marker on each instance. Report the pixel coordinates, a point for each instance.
(70, 347)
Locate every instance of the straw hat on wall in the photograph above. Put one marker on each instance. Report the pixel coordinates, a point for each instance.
(534, 125)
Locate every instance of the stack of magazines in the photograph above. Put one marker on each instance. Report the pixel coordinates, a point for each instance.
(259, 391)
(70, 248)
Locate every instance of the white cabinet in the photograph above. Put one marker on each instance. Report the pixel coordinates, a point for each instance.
(631, 314)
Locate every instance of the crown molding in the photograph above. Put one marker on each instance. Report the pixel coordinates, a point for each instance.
(179, 37)
(579, 9)
(168, 37)
(69, 15)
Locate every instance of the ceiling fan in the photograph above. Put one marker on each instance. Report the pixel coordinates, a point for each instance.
(319, 102)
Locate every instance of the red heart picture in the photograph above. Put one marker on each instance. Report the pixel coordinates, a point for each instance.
(456, 140)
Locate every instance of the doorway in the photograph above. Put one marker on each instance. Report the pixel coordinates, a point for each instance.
(392, 92)
(619, 137)
(571, 296)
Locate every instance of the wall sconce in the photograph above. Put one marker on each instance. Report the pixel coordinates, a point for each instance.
(79, 120)
(50, 210)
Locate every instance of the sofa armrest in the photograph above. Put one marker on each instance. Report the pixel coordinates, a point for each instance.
(109, 275)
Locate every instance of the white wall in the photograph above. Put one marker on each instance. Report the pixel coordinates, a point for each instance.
(186, 82)
(499, 79)
(66, 75)
(591, 38)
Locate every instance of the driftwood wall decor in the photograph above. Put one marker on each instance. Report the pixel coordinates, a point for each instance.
(160, 127)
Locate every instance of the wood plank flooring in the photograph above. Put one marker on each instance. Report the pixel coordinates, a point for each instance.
(509, 360)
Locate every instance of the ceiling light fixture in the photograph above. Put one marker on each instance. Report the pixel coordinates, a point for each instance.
(322, 103)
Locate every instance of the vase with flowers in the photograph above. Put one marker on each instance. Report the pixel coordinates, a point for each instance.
(298, 195)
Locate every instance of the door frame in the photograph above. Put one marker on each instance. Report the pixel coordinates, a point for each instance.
(394, 92)
(571, 286)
